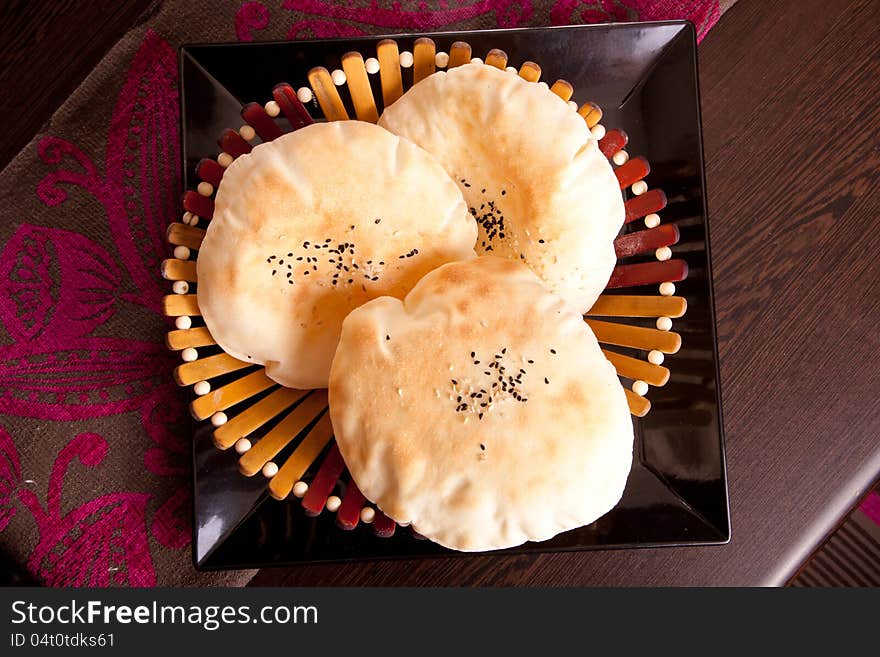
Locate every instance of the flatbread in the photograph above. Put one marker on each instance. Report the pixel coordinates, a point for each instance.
(530, 170)
(312, 225)
(480, 409)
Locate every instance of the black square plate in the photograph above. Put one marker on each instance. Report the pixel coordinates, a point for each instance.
(644, 76)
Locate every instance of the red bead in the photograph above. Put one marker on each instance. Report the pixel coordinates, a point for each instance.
(263, 124)
(209, 171)
(653, 200)
(324, 481)
(293, 109)
(383, 526)
(632, 171)
(233, 143)
(613, 141)
(349, 513)
(647, 273)
(643, 241)
(198, 204)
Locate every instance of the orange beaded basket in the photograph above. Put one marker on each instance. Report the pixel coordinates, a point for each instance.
(286, 434)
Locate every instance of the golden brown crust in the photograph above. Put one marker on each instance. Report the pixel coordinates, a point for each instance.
(484, 427)
(274, 279)
(539, 187)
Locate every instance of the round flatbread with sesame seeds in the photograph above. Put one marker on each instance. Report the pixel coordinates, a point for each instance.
(310, 226)
(530, 170)
(480, 409)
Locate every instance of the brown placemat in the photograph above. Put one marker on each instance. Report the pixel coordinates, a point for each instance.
(94, 436)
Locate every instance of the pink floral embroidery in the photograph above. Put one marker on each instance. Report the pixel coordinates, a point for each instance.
(341, 18)
(703, 13)
(56, 288)
(250, 16)
(101, 543)
(10, 473)
(169, 457)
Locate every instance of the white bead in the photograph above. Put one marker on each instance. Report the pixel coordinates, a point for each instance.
(270, 470)
(205, 188)
(368, 514)
(476, 60)
(304, 94)
(598, 131)
(338, 77)
(511, 69)
(573, 105)
(639, 187)
(183, 322)
(300, 489)
(655, 357)
(180, 287)
(620, 157)
(181, 253)
(272, 108)
(333, 504)
(664, 323)
(187, 218)
(194, 221)
(667, 289)
(202, 388)
(242, 445)
(652, 220)
(663, 253)
(224, 159)
(640, 388)
(247, 133)
(543, 84)
(441, 59)
(372, 64)
(403, 524)
(406, 59)
(219, 419)
(189, 355)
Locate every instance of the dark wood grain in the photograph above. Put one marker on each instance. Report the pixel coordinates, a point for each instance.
(791, 106)
(48, 47)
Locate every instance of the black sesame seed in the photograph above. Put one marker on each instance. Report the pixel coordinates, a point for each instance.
(540, 241)
(482, 446)
(530, 362)
(546, 380)
(454, 382)
(503, 192)
(306, 272)
(552, 351)
(481, 415)
(377, 221)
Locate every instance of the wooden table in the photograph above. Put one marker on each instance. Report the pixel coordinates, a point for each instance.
(791, 109)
